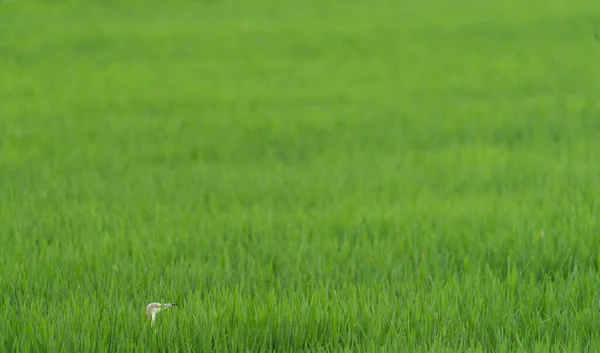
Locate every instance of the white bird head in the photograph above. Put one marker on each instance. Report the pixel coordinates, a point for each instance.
(153, 309)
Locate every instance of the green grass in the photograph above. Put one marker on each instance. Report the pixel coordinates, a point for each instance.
(300, 176)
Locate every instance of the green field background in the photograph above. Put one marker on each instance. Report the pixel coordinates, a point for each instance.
(300, 176)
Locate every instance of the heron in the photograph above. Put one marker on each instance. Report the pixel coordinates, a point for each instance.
(153, 309)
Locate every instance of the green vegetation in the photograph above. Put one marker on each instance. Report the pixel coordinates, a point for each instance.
(354, 176)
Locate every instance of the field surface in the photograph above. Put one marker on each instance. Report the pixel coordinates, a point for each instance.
(307, 176)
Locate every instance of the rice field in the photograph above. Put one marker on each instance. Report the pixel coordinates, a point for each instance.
(317, 176)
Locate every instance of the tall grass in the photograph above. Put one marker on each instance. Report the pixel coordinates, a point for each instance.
(316, 176)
